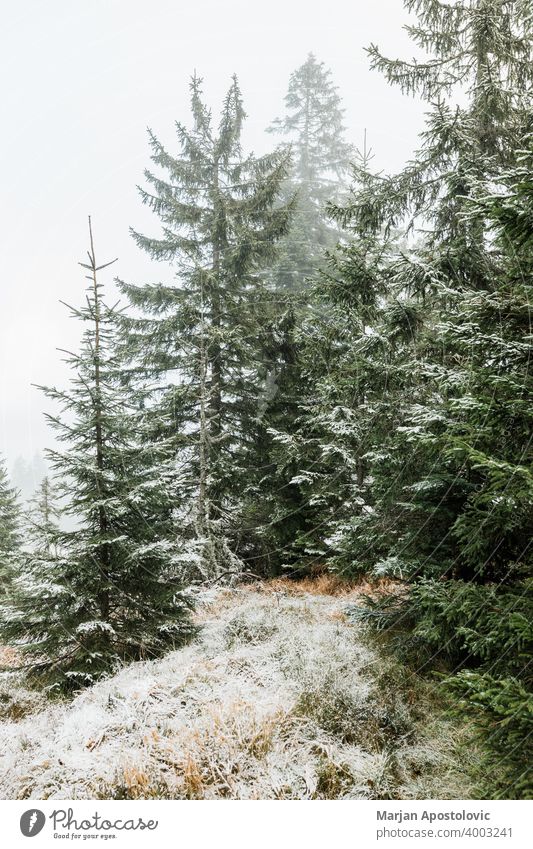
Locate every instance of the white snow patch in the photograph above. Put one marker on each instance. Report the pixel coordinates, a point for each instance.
(247, 711)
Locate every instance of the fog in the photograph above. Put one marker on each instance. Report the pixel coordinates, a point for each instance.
(83, 80)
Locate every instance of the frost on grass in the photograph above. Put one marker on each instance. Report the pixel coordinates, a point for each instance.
(279, 698)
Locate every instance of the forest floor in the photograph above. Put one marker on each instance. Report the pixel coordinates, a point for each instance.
(281, 696)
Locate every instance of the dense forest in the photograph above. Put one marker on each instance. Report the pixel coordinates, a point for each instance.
(337, 380)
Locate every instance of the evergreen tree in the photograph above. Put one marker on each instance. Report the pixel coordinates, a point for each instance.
(313, 124)
(345, 402)
(27, 475)
(492, 435)
(10, 538)
(276, 508)
(480, 621)
(106, 591)
(445, 420)
(403, 520)
(483, 46)
(205, 335)
(43, 516)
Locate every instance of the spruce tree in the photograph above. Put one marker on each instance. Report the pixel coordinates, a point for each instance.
(477, 47)
(480, 620)
(405, 519)
(446, 500)
(343, 403)
(493, 436)
(482, 46)
(105, 592)
(10, 531)
(203, 336)
(42, 519)
(313, 125)
(276, 505)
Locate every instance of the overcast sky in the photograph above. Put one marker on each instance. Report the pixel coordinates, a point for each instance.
(82, 81)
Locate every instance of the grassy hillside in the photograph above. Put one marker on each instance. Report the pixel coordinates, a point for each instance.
(281, 696)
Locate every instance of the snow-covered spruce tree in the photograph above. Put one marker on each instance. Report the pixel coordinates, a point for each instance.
(313, 125)
(318, 451)
(449, 492)
(479, 53)
(482, 622)
(102, 593)
(10, 538)
(204, 336)
(481, 48)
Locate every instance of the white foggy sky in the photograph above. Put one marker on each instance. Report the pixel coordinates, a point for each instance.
(82, 79)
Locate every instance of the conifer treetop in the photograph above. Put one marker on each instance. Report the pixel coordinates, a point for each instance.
(314, 124)
(478, 81)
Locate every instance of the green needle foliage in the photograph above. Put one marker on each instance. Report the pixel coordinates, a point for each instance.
(413, 448)
(204, 338)
(278, 506)
(106, 590)
(10, 531)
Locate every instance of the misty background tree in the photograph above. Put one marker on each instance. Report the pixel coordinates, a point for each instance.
(313, 125)
(42, 519)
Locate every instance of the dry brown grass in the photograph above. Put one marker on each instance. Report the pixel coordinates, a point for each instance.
(328, 584)
(9, 658)
(192, 778)
(280, 697)
(136, 783)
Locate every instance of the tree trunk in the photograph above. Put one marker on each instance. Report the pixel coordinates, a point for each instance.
(215, 348)
(103, 528)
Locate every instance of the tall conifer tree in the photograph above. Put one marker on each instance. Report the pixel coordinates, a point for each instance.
(104, 592)
(204, 333)
(405, 517)
(313, 125)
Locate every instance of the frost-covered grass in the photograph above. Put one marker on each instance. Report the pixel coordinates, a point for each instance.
(280, 697)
